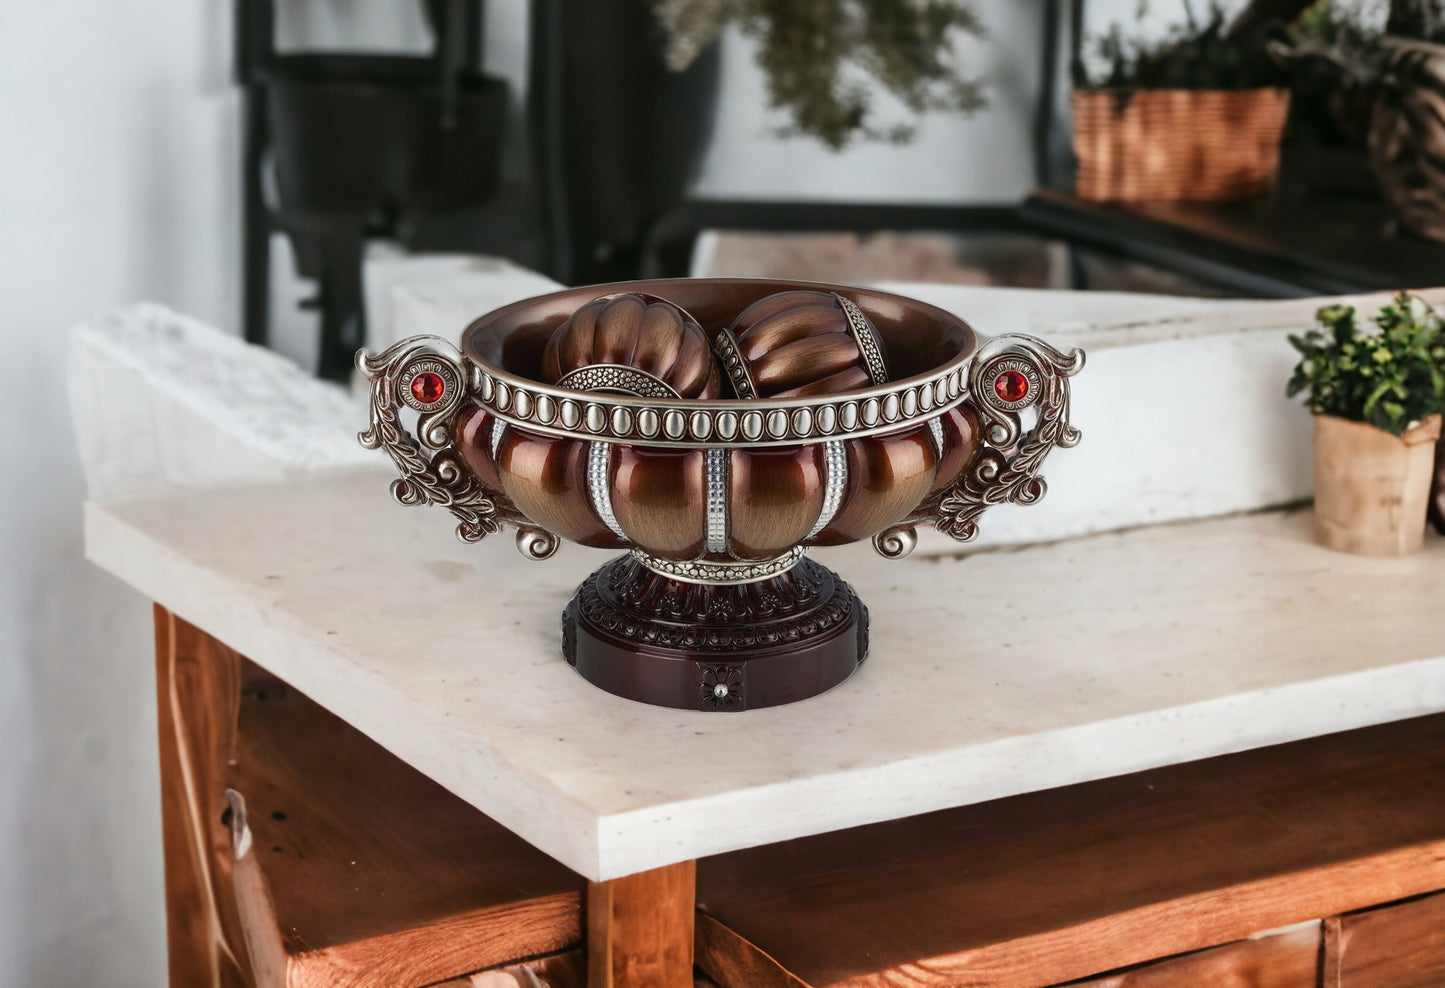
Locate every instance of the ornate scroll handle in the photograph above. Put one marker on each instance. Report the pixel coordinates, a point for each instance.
(427, 374)
(1007, 466)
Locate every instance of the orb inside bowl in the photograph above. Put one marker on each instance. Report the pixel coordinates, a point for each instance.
(918, 337)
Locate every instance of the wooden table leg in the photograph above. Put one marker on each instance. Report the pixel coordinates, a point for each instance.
(640, 929)
(198, 694)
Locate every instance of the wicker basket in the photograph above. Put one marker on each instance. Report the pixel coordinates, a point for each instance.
(1407, 137)
(1175, 144)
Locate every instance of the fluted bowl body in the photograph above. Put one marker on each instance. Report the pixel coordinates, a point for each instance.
(730, 480)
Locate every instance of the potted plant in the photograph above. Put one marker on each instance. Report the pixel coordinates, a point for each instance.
(1196, 115)
(825, 60)
(1377, 398)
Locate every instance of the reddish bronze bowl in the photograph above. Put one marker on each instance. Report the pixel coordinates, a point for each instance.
(715, 606)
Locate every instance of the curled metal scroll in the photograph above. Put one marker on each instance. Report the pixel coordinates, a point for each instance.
(1007, 466)
(428, 464)
(896, 542)
(536, 543)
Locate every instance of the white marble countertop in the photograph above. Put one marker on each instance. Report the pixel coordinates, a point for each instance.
(1000, 673)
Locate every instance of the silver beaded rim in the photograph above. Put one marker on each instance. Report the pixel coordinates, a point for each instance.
(718, 423)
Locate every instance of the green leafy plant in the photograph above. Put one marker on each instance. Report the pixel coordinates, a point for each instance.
(825, 60)
(1389, 377)
(1209, 52)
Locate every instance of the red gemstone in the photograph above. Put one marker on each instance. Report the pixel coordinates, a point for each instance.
(1011, 386)
(428, 388)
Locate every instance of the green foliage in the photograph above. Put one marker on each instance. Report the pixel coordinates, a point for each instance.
(1389, 377)
(1342, 47)
(825, 59)
(1199, 54)
(1339, 33)
(1337, 25)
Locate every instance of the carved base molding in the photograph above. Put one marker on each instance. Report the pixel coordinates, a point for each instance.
(646, 636)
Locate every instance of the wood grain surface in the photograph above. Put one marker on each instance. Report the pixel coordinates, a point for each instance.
(1289, 959)
(301, 853)
(367, 872)
(565, 970)
(1395, 946)
(198, 686)
(640, 929)
(1060, 885)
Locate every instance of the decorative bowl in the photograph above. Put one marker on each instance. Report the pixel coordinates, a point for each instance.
(715, 605)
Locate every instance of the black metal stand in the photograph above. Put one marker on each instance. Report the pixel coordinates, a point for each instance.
(356, 146)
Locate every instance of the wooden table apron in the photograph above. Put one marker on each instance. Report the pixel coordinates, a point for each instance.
(643, 929)
(639, 928)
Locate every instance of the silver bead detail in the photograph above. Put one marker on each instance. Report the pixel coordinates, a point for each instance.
(835, 481)
(716, 464)
(599, 485)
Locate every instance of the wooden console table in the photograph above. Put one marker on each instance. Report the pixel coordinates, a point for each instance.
(1058, 761)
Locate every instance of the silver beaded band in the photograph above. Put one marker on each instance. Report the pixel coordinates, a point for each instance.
(716, 463)
(720, 573)
(599, 485)
(867, 339)
(618, 379)
(499, 429)
(835, 481)
(726, 348)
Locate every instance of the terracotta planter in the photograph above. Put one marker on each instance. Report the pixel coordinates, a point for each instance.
(1372, 488)
(1177, 144)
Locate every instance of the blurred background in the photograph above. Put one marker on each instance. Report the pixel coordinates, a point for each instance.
(257, 164)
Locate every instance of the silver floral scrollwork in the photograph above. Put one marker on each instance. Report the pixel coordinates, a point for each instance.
(426, 459)
(1007, 467)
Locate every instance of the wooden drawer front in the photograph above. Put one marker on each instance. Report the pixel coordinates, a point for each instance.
(1400, 946)
(1281, 960)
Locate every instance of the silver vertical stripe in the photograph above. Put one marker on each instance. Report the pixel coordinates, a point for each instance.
(935, 426)
(835, 479)
(599, 485)
(717, 500)
(499, 429)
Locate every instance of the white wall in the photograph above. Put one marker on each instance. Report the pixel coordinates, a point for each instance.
(984, 158)
(1150, 19)
(118, 158)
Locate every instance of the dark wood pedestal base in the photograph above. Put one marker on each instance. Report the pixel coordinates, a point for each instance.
(652, 638)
